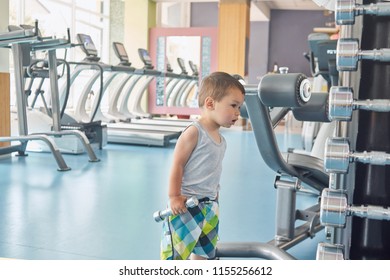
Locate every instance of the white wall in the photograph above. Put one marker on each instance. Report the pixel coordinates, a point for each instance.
(4, 53)
(136, 29)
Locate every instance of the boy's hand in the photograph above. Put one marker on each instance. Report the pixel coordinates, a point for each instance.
(178, 204)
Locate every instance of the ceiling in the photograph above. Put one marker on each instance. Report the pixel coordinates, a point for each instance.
(289, 4)
(271, 4)
(260, 9)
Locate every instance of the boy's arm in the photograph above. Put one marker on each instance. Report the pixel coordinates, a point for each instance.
(184, 147)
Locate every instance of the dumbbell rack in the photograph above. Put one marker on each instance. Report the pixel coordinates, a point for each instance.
(364, 184)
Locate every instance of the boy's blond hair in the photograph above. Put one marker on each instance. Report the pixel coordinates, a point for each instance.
(216, 85)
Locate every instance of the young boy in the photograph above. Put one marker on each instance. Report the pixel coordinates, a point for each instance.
(196, 171)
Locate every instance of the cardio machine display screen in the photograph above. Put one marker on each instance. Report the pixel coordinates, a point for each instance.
(121, 51)
(180, 61)
(87, 44)
(145, 56)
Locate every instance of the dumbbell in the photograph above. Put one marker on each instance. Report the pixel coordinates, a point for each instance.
(162, 214)
(335, 209)
(348, 54)
(338, 156)
(341, 104)
(346, 10)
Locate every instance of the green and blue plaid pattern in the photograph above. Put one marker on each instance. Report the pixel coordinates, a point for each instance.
(195, 231)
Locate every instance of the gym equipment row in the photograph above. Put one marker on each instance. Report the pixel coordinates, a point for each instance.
(81, 114)
(23, 40)
(40, 119)
(354, 208)
(125, 119)
(93, 123)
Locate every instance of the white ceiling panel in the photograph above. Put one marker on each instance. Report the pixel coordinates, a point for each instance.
(289, 4)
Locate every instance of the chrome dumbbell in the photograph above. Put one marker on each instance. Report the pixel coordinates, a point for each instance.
(348, 54)
(161, 215)
(335, 209)
(338, 156)
(347, 10)
(341, 104)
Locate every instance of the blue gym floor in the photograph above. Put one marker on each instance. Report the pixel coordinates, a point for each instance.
(104, 210)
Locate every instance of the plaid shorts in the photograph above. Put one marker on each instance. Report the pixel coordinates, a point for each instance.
(195, 231)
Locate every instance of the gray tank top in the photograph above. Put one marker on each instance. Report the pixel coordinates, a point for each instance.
(203, 170)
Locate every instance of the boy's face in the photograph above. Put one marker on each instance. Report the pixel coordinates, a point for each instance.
(227, 110)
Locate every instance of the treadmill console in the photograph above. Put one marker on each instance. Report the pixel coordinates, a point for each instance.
(121, 53)
(169, 67)
(194, 68)
(182, 66)
(31, 27)
(145, 57)
(88, 46)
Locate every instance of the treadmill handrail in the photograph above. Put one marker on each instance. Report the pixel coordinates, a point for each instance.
(93, 65)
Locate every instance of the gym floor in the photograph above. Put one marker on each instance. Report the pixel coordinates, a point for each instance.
(104, 210)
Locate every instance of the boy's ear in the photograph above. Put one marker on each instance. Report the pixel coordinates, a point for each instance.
(209, 103)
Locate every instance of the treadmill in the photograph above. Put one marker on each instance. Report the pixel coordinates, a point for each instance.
(119, 132)
(148, 69)
(23, 40)
(182, 96)
(178, 82)
(172, 80)
(194, 100)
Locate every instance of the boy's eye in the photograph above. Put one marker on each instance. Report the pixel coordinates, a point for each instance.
(235, 106)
